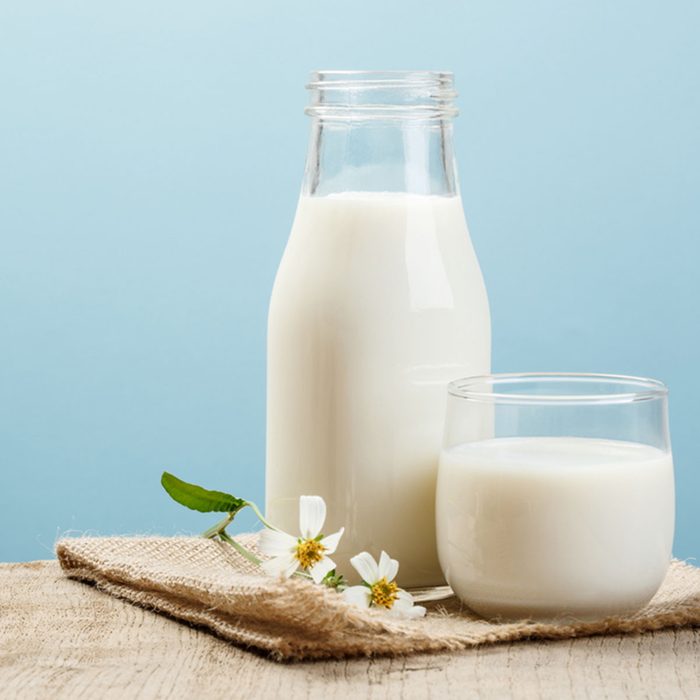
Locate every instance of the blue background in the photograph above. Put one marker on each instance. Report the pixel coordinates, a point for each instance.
(150, 159)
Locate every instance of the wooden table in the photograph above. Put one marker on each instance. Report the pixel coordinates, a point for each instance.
(63, 639)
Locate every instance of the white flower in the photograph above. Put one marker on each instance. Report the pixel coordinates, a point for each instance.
(379, 589)
(308, 551)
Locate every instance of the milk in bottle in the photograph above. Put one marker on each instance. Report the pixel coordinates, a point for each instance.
(378, 303)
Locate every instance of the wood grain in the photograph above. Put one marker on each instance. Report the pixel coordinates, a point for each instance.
(62, 639)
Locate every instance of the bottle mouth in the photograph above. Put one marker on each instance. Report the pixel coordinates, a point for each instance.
(360, 95)
(557, 388)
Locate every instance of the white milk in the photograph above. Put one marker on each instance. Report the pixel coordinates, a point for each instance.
(543, 526)
(378, 303)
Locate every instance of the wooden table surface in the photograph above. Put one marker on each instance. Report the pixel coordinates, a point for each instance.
(63, 639)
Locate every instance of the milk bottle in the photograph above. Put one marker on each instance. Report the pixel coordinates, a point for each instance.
(378, 303)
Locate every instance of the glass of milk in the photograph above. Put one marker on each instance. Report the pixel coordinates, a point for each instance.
(566, 508)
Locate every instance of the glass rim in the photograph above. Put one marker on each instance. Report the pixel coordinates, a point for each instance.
(640, 388)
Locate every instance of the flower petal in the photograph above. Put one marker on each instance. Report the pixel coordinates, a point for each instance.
(404, 607)
(285, 565)
(404, 596)
(358, 595)
(275, 544)
(321, 568)
(388, 567)
(410, 612)
(312, 515)
(331, 542)
(365, 565)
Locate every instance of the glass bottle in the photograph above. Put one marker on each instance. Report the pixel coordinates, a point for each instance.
(378, 303)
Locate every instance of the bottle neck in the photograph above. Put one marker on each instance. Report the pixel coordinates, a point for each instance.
(381, 132)
(410, 156)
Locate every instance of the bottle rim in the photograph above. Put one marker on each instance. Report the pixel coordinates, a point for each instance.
(369, 95)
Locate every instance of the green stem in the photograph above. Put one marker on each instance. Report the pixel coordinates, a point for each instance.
(261, 517)
(239, 548)
(217, 529)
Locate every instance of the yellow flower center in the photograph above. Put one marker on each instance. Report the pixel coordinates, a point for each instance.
(384, 593)
(309, 552)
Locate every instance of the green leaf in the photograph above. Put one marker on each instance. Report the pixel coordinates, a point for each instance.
(335, 580)
(197, 498)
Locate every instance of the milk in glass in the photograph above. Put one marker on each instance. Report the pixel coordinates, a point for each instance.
(545, 526)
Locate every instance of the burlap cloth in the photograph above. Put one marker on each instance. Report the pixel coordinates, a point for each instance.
(207, 583)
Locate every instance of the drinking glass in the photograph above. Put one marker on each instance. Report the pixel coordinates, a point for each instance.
(555, 494)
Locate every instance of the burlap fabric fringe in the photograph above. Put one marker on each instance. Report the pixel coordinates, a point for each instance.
(206, 583)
